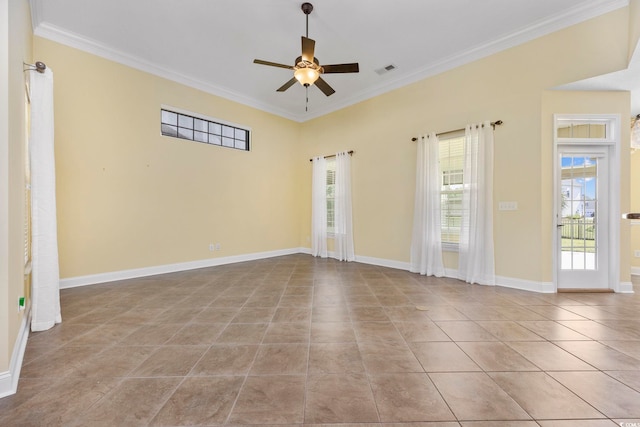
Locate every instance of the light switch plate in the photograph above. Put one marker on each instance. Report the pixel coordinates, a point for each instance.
(508, 206)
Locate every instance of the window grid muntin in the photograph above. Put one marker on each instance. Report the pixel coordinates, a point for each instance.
(185, 126)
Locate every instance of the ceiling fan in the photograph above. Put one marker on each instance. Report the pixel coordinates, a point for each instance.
(307, 68)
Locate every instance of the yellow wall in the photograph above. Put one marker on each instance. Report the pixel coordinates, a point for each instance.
(15, 47)
(507, 86)
(130, 198)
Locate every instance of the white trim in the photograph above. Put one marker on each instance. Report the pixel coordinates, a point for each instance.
(398, 265)
(526, 285)
(625, 288)
(9, 379)
(94, 47)
(635, 271)
(573, 16)
(36, 13)
(506, 282)
(512, 283)
(612, 144)
(306, 251)
(93, 279)
(570, 17)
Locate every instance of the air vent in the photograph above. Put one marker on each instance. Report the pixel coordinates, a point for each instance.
(385, 69)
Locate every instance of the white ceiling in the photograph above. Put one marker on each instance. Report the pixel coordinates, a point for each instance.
(211, 44)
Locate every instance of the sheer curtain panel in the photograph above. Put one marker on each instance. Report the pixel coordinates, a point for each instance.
(45, 272)
(343, 224)
(426, 240)
(319, 208)
(476, 255)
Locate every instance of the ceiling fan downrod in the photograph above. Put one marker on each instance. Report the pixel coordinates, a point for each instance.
(307, 8)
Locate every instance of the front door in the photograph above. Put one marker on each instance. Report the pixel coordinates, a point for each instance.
(582, 218)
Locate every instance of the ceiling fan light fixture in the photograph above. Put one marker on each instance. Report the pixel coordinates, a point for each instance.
(307, 69)
(306, 76)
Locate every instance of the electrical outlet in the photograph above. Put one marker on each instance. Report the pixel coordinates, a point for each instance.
(218, 247)
(211, 247)
(636, 253)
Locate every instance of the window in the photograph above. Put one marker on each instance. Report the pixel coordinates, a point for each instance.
(451, 168)
(208, 131)
(331, 194)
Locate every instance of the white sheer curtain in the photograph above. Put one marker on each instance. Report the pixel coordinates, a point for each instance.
(343, 222)
(476, 258)
(45, 274)
(319, 208)
(426, 240)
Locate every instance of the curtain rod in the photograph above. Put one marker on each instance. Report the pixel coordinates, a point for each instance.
(38, 66)
(493, 125)
(333, 155)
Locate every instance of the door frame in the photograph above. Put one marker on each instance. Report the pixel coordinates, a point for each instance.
(611, 143)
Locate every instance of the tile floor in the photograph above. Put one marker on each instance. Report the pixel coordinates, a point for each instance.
(296, 340)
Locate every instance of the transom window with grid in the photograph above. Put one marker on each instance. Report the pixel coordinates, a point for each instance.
(451, 152)
(208, 131)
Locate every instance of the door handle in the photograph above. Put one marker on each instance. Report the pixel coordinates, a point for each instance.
(560, 225)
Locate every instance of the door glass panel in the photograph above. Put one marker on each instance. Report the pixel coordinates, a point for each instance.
(579, 213)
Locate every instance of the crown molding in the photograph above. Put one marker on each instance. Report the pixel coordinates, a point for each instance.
(67, 38)
(541, 28)
(576, 15)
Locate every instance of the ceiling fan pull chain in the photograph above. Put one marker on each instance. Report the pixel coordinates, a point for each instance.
(306, 105)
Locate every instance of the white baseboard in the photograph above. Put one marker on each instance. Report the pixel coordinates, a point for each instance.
(9, 379)
(635, 271)
(625, 288)
(381, 262)
(507, 282)
(94, 279)
(526, 285)
(513, 283)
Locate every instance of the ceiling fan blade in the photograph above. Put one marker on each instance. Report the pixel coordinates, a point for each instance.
(272, 64)
(324, 87)
(308, 48)
(341, 68)
(287, 85)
